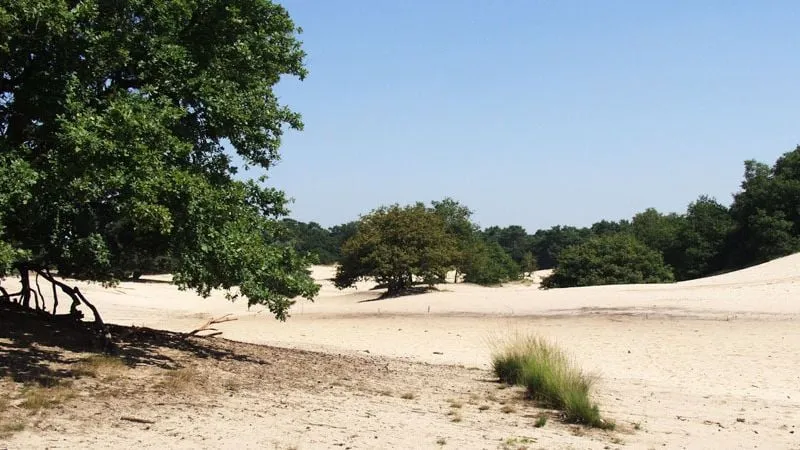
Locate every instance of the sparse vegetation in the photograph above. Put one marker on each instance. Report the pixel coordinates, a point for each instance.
(550, 377)
(540, 421)
(441, 441)
(97, 366)
(455, 403)
(11, 427)
(483, 407)
(408, 396)
(508, 409)
(183, 379)
(515, 443)
(37, 396)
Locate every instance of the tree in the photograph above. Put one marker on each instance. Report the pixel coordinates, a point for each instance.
(708, 225)
(610, 227)
(459, 226)
(513, 239)
(660, 232)
(311, 239)
(528, 264)
(767, 211)
(121, 118)
(396, 246)
(547, 245)
(487, 264)
(610, 259)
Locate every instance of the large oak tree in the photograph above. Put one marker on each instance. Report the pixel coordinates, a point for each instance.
(118, 122)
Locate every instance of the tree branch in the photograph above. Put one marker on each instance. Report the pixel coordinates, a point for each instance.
(207, 326)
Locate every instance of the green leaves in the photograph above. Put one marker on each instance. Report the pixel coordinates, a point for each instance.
(610, 259)
(121, 117)
(397, 245)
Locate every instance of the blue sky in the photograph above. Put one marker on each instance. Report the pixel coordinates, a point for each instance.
(536, 113)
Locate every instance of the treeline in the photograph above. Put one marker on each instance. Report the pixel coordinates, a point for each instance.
(423, 243)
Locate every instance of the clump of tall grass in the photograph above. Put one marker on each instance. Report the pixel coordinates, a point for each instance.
(549, 376)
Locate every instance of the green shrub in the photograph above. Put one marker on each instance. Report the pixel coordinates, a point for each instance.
(609, 259)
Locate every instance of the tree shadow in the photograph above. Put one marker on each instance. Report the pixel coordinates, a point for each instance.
(38, 348)
(416, 290)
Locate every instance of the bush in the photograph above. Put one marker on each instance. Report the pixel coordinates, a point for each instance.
(550, 377)
(609, 259)
(488, 264)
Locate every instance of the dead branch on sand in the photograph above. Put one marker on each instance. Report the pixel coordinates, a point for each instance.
(207, 326)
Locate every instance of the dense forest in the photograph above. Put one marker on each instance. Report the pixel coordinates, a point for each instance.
(762, 223)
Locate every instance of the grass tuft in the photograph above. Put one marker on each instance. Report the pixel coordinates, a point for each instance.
(540, 421)
(549, 376)
(408, 396)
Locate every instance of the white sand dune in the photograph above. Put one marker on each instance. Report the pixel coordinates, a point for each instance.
(678, 358)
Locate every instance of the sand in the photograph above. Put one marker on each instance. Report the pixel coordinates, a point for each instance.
(710, 363)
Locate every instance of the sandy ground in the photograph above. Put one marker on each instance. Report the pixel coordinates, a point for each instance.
(710, 363)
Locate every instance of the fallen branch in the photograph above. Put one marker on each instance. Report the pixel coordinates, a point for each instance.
(207, 326)
(136, 419)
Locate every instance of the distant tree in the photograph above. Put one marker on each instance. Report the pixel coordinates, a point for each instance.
(660, 232)
(528, 264)
(489, 264)
(708, 226)
(767, 211)
(459, 226)
(312, 239)
(396, 246)
(118, 121)
(341, 233)
(513, 239)
(610, 259)
(548, 244)
(610, 227)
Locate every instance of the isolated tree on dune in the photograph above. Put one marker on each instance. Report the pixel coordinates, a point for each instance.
(117, 124)
(396, 246)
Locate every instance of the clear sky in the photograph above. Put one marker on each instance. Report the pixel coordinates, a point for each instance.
(536, 113)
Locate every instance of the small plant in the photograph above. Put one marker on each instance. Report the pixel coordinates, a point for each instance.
(455, 403)
(483, 407)
(441, 441)
(637, 426)
(517, 443)
(507, 409)
(540, 421)
(408, 396)
(456, 417)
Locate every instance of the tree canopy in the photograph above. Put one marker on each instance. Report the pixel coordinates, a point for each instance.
(118, 122)
(609, 259)
(397, 246)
